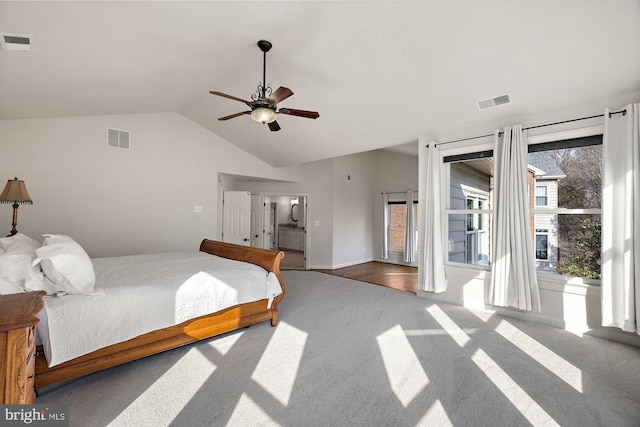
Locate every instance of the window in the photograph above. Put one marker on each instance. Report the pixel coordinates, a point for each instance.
(542, 244)
(397, 226)
(541, 195)
(477, 248)
(469, 207)
(571, 173)
(565, 186)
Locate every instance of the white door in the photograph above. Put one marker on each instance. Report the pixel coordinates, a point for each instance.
(266, 223)
(273, 215)
(256, 221)
(236, 217)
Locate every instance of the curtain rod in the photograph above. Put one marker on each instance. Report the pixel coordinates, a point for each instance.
(623, 112)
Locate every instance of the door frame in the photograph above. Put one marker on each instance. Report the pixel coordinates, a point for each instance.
(307, 237)
(307, 229)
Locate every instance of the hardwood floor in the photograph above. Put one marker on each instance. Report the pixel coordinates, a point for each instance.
(293, 260)
(400, 277)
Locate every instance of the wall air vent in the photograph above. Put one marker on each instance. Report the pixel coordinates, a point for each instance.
(494, 102)
(16, 42)
(118, 138)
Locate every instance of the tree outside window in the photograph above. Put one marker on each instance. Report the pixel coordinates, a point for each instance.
(575, 218)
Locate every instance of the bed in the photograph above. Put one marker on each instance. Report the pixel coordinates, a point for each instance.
(194, 329)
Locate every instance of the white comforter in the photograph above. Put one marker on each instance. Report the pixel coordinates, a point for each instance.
(143, 293)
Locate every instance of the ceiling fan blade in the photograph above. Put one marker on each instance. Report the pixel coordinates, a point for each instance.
(300, 113)
(224, 95)
(234, 115)
(280, 94)
(274, 126)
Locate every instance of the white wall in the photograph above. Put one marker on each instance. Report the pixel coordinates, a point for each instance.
(339, 218)
(119, 202)
(353, 203)
(316, 181)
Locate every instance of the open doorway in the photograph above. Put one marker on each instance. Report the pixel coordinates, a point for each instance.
(288, 214)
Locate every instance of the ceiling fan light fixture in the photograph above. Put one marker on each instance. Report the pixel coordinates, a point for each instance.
(263, 115)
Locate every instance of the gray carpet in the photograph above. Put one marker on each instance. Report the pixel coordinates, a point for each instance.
(347, 353)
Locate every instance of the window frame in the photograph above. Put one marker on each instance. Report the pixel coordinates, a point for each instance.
(546, 195)
(387, 229)
(455, 155)
(465, 150)
(545, 234)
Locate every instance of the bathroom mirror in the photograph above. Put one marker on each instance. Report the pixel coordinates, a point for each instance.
(294, 212)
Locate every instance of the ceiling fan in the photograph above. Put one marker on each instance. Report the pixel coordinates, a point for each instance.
(264, 102)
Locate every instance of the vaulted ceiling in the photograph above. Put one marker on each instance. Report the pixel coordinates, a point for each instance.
(380, 73)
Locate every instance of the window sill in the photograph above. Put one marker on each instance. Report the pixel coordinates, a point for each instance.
(547, 281)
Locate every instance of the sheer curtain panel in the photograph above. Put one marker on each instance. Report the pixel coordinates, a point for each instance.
(513, 274)
(385, 221)
(431, 275)
(410, 233)
(621, 220)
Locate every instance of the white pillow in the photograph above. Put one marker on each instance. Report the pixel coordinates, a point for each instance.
(38, 282)
(18, 239)
(9, 287)
(66, 264)
(16, 263)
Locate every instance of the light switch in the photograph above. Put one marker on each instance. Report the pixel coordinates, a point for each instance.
(317, 223)
(197, 209)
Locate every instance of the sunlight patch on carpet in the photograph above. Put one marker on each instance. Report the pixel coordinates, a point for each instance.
(404, 371)
(182, 372)
(541, 354)
(277, 369)
(512, 391)
(509, 388)
(435, 416)
(248, 413)
(458, 335)
(224, 344)
(433, 332)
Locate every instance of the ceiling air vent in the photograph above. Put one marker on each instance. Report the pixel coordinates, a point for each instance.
(494, 102)
(16, 42)
(117, 138)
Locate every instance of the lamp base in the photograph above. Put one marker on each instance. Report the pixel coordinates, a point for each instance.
(15, 220)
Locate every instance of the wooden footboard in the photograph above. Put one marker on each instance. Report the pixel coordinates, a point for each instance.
(154, 342)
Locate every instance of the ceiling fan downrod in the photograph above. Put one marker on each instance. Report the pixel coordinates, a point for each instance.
(263, 90)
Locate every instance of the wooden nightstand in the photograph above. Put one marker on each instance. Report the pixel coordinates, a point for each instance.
(18, 319)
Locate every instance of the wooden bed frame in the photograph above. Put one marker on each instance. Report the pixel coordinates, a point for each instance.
(154, 342)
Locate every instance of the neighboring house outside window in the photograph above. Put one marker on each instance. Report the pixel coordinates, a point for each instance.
(564, 183)
(572, 172)
(542, 195)
(547, 174)
(469, 216)
(542, 244)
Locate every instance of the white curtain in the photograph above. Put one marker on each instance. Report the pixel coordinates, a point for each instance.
(513, 275)
(431, 276)
(621, 220)
(410, 234)
(385, 222)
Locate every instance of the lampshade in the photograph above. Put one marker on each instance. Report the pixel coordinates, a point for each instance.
(263, 115)
(15, 192)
